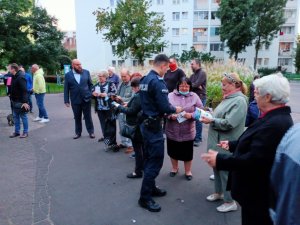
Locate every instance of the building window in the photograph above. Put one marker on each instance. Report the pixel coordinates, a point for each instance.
(284, 62)
(176, 16)
(288, 30)
(184, 15)
(176, 2)
(184, 31)
(198, 33)
(290, 13)
(135, 62)
(200, 47)
(183, 47)
(121, 62)
(201, 15)
(266, 61)
(185, 1)
(174, 48)
(285, 46)
(113, 49)
(213, 15)
(114, 63)
(258, 61)
(160, 2)
(175, 31)
(214, 31)
(217, 47)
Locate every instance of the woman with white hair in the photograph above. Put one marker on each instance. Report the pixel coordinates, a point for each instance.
(254, 151)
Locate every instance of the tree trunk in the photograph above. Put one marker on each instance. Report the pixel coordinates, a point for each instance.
(236, 56)
(257, 45)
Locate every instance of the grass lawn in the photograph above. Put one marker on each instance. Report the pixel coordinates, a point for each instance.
(51, 88)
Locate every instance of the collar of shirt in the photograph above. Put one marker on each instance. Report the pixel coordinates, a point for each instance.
(265, 113)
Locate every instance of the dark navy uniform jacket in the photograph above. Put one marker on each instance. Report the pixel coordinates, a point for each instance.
(154, 96)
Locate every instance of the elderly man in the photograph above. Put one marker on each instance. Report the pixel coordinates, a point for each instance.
(112, 76)
(39, 89)
(78, 86)
(254, 151)
(124, 94)
(198, 80)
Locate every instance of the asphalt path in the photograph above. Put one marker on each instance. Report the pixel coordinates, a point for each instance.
(51, 179)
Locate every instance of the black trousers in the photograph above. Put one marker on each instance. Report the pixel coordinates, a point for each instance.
(256, 214)
(138, 147)
(108, 127)
(85, 109)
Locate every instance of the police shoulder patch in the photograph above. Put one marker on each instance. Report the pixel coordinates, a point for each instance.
(165, 91)
(144, 87)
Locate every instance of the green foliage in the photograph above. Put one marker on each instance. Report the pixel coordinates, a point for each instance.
(29, 35)
(297, 58)
(266, 71)
(236, 25)
(187, 56)
(269, 16)
(14, 24)
(135, 31)
(73, 54)
(46, 49)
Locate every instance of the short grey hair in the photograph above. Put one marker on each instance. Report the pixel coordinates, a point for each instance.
(103, 73)
(276, 85)
(111, 68)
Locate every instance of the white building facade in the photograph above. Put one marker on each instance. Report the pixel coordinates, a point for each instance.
(190, 23)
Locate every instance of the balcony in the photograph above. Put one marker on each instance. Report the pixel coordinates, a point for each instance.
(287, 38)
(200, 39)
(200, 23)
(285, 53)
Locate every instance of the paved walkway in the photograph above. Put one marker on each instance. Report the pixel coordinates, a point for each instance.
(51, 179)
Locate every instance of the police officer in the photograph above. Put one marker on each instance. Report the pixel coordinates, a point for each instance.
(154, 102)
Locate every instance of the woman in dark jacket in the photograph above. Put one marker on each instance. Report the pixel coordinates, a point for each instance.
(254, 151)
(133, 113)
(102, 91)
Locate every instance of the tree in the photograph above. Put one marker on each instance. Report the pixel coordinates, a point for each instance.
(269, 16)
(236, 25)
(46, 47)
(14, 22)
(135, 31)
(297, 58)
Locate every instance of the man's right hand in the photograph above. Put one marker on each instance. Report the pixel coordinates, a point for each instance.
(67, 104)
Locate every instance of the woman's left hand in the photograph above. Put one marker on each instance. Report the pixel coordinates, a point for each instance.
(188, 115)
(210, 157)
(205, 120)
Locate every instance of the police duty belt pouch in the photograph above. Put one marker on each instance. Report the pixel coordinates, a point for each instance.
(128, 131)
(18, 107)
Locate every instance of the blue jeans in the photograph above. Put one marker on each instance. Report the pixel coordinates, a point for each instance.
(23, 117)
(199, 126)
(40, 103)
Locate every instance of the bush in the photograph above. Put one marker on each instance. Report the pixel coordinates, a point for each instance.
(266, 71)
(52, 79)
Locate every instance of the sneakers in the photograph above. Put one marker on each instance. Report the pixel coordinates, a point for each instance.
(197, 143)
(44, 120)
(214, 197)
(227, 207)
(37, 119)
(129, 150)
(212, 177)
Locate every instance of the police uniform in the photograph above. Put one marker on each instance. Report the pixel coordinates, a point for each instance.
(155, 103)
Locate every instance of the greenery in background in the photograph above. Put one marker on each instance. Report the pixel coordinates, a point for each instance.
(29, 35)
(134, 30)
(247, 22)
(236, 22)
(188, 56)
(297, 58)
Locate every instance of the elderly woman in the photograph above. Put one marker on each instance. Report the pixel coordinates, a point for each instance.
(228, 124)
(133, 118)
(102, 92)
(254, 150)
(180, 135)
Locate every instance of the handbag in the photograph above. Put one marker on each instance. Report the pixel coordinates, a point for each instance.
(17, 106)
(128, 131)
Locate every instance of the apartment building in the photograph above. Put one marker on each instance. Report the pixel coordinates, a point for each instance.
(189, 23)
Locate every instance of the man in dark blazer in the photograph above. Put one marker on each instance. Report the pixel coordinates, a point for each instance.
(78, 87)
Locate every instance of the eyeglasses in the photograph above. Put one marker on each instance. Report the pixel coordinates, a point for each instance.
(229, 77)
